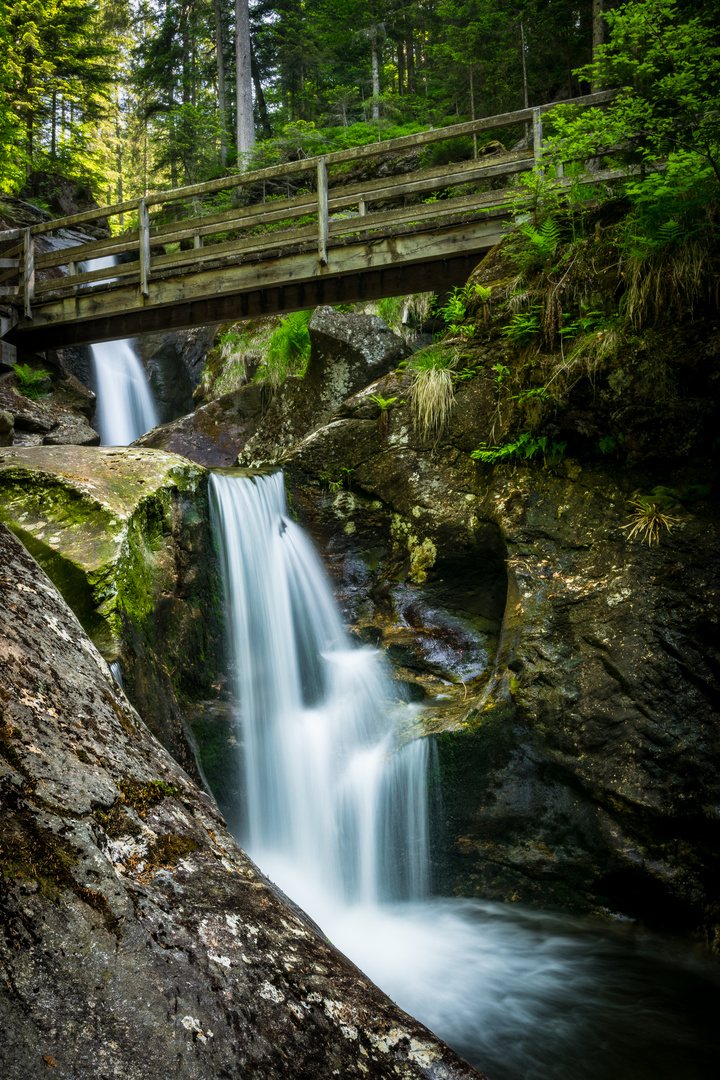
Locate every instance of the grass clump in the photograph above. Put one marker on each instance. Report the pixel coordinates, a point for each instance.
(648, 519)
(289, 349)
(432, 392)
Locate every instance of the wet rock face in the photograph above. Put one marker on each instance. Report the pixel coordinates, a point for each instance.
(570, 673)
(139, 941)
(125, 536)
(174, 363)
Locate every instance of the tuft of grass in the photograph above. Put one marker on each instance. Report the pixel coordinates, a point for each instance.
(289, 349)
(432, 392)
(647, 520)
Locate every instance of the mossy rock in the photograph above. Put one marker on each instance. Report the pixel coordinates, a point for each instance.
(124, 534)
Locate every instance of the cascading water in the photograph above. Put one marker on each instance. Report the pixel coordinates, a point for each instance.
(125, 408)
(330, 800)
(335, 811)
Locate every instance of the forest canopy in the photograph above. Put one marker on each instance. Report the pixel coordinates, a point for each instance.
(138, 95)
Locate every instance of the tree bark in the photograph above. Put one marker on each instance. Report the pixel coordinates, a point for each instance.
(401, 68)
(259, 95)
(375, 71)
(222, 104)
(245, 130)
(598, 10)
(472, 111)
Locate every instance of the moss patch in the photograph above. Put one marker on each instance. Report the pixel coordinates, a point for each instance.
(143, 797)
(166, 851)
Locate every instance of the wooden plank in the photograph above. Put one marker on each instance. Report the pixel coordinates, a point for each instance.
(90, 277)
(388, 280)
(7, 264)
(29, 273)
(322, 201)
(339, 198)
(94, 250)
(390, 146)
(487, 202)
(144, 228)
(6, 235)
(13, 290)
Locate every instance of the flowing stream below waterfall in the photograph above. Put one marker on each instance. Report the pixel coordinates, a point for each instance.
(335, 811)
(125, 408)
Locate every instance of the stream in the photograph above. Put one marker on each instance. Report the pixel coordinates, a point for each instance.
(335, 812)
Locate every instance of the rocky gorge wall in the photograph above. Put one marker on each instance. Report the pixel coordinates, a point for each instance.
(569, 672)
(137, 940)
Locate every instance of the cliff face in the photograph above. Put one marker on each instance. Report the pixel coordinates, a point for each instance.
(570, 670)
(138, 940)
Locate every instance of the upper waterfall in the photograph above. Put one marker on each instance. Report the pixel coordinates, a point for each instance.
(125, 408)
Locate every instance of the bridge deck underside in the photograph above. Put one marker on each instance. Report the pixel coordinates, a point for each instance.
(362, 270)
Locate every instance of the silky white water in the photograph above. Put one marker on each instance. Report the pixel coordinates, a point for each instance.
(334, 810)
(125, 408)
(330, 800)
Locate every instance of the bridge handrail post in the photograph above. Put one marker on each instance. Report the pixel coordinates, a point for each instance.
(144, 241)
(29, 272)
(323, 222)
(537, 135)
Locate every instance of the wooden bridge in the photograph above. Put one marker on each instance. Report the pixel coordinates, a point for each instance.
(235, 247)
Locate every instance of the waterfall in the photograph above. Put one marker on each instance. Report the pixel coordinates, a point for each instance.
(125, 408)
(333, 804)
(335, 812)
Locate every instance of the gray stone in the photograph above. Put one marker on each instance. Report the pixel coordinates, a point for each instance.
(139, 941)
(347, 353)
(7, 427)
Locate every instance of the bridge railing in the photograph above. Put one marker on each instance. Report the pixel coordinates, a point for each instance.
(326, 212)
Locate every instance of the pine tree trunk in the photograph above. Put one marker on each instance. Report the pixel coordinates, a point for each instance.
(401, 68)
(472, 111)
(598, 36)
(259, 95)
(53, 143)
(245, 133)
(375, 71)
(222, 106)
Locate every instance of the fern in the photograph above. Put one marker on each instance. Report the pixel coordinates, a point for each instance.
(543, 241)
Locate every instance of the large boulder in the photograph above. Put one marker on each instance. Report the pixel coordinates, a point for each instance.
(346, 353)
(214, 434)
(139, 941)
(124, 534)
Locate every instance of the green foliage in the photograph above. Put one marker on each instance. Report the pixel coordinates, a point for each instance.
(32, 382)
(668, 62)
(289, 349)
(383, 403)
(525, 447)
(523, 326)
